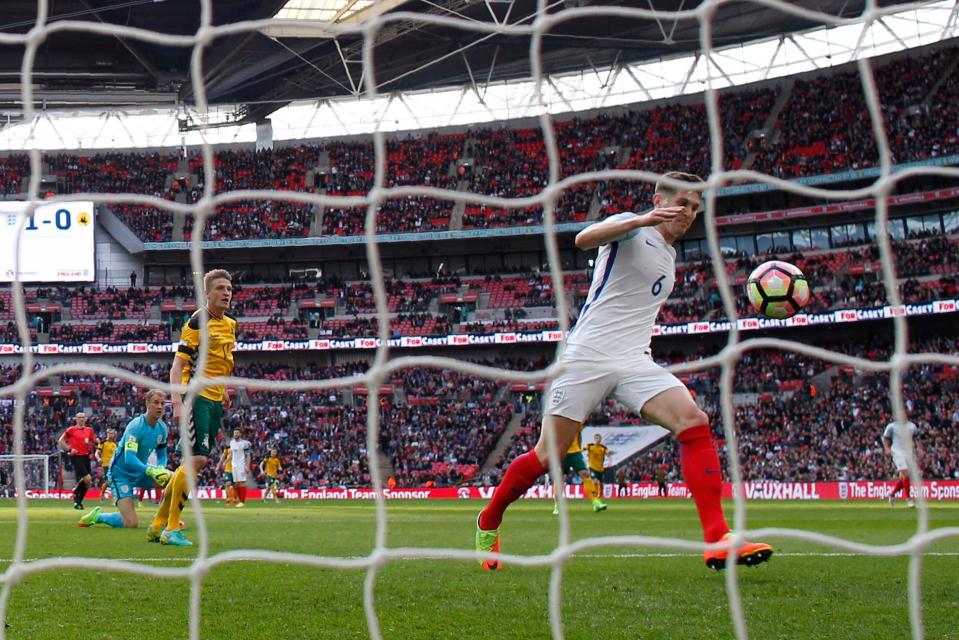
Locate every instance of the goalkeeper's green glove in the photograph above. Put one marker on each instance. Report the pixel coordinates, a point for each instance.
(160, 475)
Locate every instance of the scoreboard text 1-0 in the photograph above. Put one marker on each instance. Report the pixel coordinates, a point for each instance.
(56, 242)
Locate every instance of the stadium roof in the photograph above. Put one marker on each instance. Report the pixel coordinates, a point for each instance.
(264, 70)
(325, 10)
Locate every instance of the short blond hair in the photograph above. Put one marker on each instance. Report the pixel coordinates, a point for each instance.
(669, 190)
(215, 274)
(155, 392)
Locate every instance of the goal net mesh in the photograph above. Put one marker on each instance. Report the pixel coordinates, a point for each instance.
(382, 366)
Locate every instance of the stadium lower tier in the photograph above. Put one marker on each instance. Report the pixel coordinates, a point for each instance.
(797, 418)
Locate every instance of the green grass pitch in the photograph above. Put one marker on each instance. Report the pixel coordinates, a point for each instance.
(805, 591)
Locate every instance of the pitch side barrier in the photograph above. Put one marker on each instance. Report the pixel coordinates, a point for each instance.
(512, 337)
(939, 490)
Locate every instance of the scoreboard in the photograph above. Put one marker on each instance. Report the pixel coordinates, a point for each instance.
(56, 243)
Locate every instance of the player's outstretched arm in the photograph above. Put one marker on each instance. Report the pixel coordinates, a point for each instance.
(596, 235)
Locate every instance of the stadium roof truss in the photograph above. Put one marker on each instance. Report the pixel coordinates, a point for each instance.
(427, 76)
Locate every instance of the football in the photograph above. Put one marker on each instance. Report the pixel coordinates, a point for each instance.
(777, 289)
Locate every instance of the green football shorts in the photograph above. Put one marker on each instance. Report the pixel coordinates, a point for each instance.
(205, 421)
(574, 462)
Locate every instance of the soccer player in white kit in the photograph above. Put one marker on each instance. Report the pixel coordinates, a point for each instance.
(894, 445)
(634, 274)
(239, 449)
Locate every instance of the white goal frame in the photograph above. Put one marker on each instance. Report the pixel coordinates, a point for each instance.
(42, 459)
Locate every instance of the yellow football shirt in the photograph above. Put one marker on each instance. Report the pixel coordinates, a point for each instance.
(272, 466)
(220, 361)
(575, 446)
(107, 449)
(597, 456)
(228, 465)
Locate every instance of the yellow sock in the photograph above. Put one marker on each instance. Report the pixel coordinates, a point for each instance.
(163, 513)
(178, 498)
(597, 489)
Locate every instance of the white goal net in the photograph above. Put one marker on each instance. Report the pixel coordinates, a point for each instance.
(24, 472)
(36, 472)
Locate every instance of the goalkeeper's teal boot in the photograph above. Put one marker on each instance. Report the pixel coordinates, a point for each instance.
(174, 538)
(90, 518)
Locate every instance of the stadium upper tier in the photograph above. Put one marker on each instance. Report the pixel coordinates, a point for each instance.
(846, 278)
(797, 418)
(801, 126)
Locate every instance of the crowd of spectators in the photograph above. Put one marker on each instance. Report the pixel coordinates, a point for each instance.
(928, 269)
(281, 169)
(797, 418)
(834, 433)
(428, 161)
(141, 174)
(109, 332)
(274, 328)
(677, 135)
(824, 127)
(87, 303)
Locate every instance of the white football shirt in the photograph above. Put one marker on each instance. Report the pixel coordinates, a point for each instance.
(898, 445)
(238, 454)
(632, 278)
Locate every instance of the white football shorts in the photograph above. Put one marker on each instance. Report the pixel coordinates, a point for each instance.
(239, 474)
(576, 392)
(899, 459)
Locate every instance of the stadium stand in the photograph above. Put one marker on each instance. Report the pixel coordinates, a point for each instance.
(849, 277)
(797, 418)
(824, 127)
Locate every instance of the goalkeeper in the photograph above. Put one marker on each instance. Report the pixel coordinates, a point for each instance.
(129, 469)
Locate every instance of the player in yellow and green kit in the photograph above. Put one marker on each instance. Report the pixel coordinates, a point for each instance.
(206, 418)
(104, 455)
(596, 452)
(226, 464)
(271, 467)
(574, 462)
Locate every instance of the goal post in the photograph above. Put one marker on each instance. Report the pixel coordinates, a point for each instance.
(36, 470)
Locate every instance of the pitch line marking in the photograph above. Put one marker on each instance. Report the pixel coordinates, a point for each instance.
(778, 554)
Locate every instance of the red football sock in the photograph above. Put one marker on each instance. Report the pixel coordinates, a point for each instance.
(704, 477)
(899, 485)
(519, 476)
(906, 486)
(241, 493)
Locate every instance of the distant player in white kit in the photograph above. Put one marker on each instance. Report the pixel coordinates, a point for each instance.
(634, 274)
(239, 453)
(895, 445)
